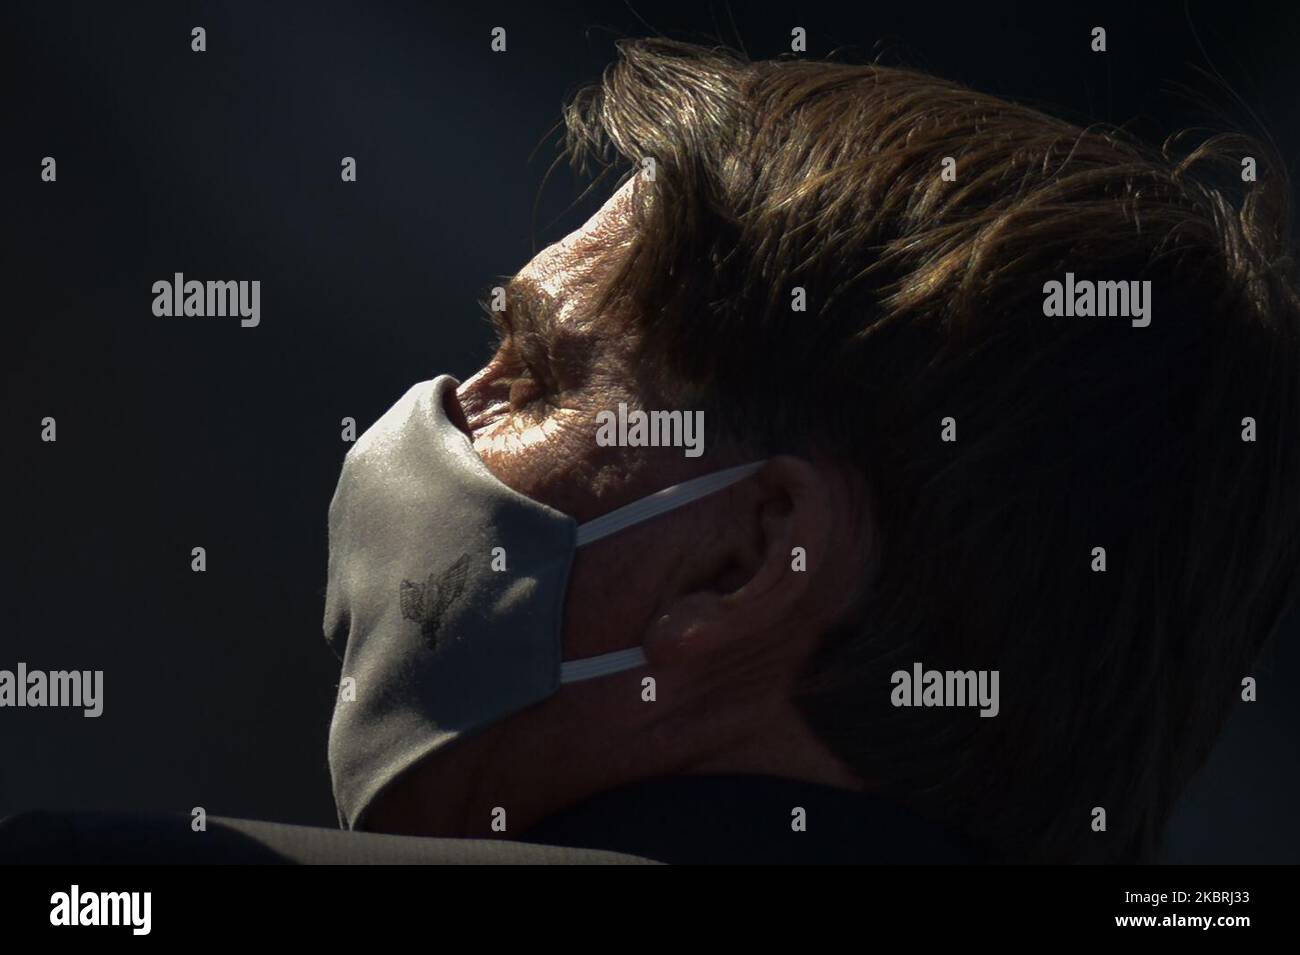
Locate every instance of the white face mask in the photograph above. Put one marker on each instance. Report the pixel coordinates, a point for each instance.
(437, 640)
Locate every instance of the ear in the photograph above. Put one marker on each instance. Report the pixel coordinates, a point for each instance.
(755, 580)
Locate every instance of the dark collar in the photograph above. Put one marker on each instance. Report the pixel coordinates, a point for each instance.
(748, 819)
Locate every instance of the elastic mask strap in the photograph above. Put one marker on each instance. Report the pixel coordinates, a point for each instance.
(574, 671)
(670, 498)
(660, 502)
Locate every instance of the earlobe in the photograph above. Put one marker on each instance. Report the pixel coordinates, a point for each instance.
(690, 628)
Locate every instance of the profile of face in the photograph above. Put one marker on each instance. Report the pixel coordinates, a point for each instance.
(709, 591)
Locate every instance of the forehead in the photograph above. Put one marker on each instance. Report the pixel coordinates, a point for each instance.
(582, 257)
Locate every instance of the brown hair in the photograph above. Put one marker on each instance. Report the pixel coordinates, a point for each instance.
(925, 300)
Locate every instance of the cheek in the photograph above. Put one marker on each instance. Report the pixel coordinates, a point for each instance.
(520, 436)
(618, 586)
(608, 604)
(545, 458)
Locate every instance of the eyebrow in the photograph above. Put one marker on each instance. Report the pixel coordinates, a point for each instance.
(528, 310)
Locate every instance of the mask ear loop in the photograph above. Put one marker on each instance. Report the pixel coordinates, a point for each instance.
(661, 502)
(588, 668)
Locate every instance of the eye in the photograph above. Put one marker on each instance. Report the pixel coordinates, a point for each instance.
(527, 388)
(524, 390)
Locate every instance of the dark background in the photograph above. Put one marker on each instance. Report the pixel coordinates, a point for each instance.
(176, 433)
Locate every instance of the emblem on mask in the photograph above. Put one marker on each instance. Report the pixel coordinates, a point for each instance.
(427, 603)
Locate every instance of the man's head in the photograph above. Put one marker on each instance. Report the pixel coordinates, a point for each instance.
(947, 456)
